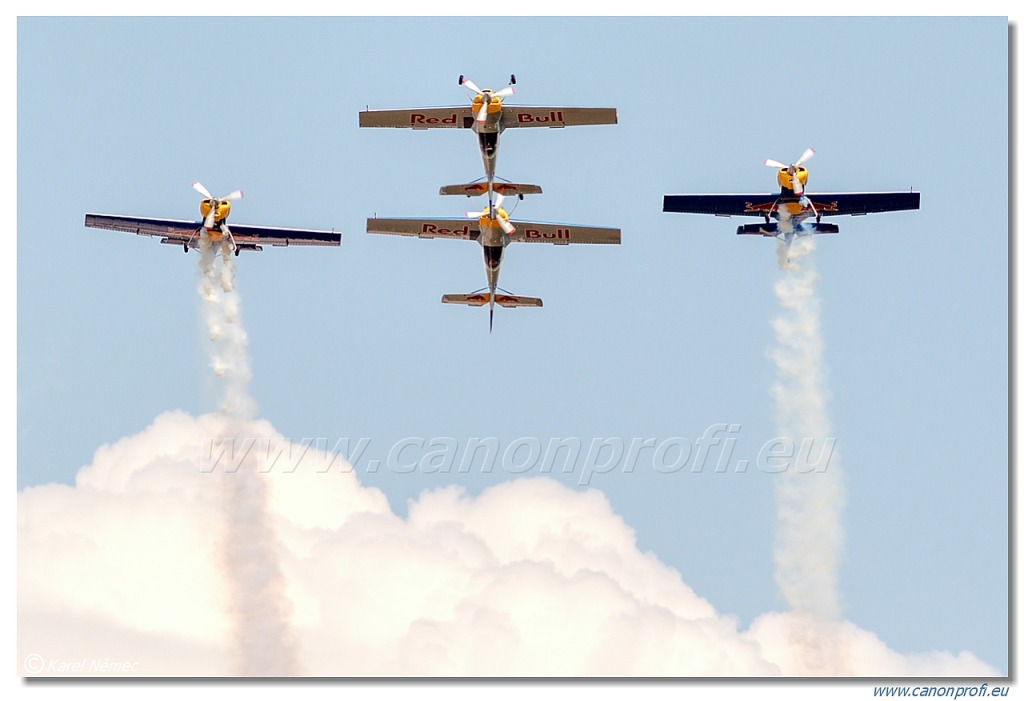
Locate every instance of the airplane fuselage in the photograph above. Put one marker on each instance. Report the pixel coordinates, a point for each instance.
(488, 131)
(220, 211)
(488, 142)
(493, 242)
(792, 209)
(218, 231)
(493, 124)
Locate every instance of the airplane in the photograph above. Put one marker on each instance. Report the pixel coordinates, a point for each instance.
(214, 226)
(488, 116)
(493, 230)
(792, 208)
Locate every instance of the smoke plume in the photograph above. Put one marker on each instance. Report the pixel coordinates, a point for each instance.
(809, 493)
(259, 604)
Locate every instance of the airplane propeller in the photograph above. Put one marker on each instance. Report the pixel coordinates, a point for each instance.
(487, 95)
(798, 187)
(214, 201)
(492, 212)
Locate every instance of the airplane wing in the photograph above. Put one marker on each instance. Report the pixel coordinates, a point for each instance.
(173, 230)
(522, 116)
(178, 231)
(276, 236)
(562, 234)
(427, 118)
(466, 229)
(827, 204)
(836, 203)
(720, 205)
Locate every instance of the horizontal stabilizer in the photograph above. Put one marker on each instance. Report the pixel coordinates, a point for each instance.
(517, 301)
(477, 300)
(481, 298)
(194, 243)
(772, 229)
(507, 189)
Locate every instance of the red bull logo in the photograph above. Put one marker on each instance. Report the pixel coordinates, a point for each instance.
(556, 235)
(424, 119)
(827, 207)
(440, 231)
(527, 118)
(792, 207)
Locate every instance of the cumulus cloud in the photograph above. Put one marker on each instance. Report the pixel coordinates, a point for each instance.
(527, 578)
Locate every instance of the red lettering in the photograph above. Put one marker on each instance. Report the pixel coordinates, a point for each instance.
(424, 119)
(526, 118)
(556, 234)
(434, 229)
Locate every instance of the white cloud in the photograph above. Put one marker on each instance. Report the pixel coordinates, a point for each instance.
(528, 578)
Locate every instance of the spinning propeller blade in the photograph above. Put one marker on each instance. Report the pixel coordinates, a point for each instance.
(211, 217)
(486, 95)
(465, 82)
(798, 187)
(198, 187)
(493, 213)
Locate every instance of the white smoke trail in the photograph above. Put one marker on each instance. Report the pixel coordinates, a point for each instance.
(229, 358)
(810, 493)
(261, 610)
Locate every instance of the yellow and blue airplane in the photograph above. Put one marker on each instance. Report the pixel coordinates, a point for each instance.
(213, 227)
(794, 211)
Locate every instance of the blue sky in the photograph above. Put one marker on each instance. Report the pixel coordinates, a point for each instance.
(661, 337)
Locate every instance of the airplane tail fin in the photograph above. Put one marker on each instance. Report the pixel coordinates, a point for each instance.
(481, 298)
(500, 188)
